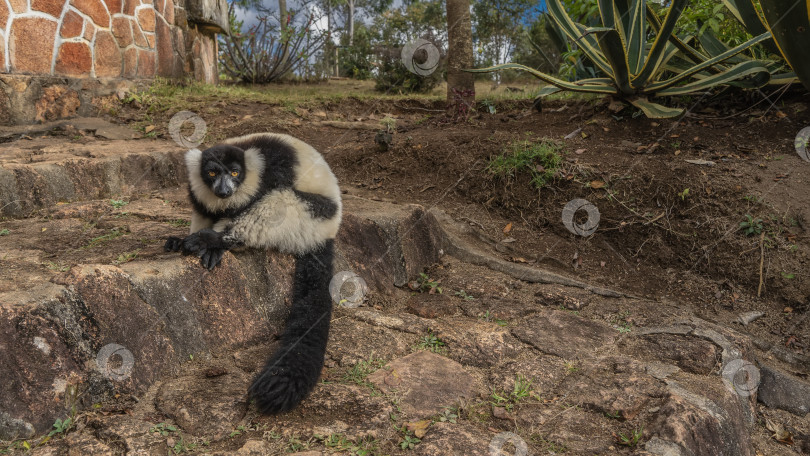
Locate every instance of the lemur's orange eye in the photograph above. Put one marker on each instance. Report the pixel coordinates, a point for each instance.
(212, 173)
(234, 173)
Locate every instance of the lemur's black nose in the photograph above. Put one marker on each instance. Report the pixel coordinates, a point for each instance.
(223, 192)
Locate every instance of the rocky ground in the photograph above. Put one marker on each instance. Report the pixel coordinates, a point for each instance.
(456, 347)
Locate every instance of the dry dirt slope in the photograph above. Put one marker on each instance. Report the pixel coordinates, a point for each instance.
(494, 357)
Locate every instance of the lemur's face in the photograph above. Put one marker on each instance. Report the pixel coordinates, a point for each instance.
(223, 169)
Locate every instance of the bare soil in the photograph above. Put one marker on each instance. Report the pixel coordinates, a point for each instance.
(668, 229)
(676, 253)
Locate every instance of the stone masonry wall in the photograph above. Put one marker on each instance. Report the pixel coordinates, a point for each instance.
(43, 42)
(103, 39)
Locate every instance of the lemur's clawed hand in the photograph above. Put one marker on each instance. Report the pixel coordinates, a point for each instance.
(173, 244)
(206, 244)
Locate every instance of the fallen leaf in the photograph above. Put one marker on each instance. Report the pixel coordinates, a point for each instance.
(597, 184)
(779, 432)
(419, 428)
(148, 128)
(678, 152)
(523, 260)
(579, 151)
(788, 309)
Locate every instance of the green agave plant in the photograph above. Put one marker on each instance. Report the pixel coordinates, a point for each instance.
(637, 69)
(789, 23)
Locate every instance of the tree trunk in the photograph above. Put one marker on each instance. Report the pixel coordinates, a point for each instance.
(460, 85)
(351, 21)
(285, 38)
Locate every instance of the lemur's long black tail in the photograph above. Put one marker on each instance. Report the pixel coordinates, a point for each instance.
(293, 370)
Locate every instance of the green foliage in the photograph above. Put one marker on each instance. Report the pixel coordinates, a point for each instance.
(98, 240)
(632, 439)
(489, 317)
(536, 49)
(118, 204)
(521, 391)
(431, 342)
(358, 373)
(642, 56)
(425, 283)
(4, 232)
(498, 27)
(179, 223)
(449, 415)
(393, 76)
(408, 441)
(541, 160)
(61, 426)
(464, 295)
(339, 442)
(751, 226)
(163, 429)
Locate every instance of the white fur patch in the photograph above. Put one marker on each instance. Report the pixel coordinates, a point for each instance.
(254, 167)
(281, 220)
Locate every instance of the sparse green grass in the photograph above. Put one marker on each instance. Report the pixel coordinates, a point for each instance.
(338, 442)
(464, 295)
(449, 415)
(360, 371)
(56, 266)
(182, 446)
(4, 232)
(548, 445)
(541, 160)
(98, 240)
(521, 391)
(179, 223)
(622, 322)
(126, 257)
(432, 343)
(425, 283)
(491, 318)
(632, 439)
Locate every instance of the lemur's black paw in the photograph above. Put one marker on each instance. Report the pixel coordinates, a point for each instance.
(192, 244)
(173, 244)
(210, 258)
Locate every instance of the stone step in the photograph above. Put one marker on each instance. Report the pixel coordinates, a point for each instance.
(39, 172)
(71, 300)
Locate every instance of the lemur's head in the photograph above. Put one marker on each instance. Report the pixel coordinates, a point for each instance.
(222, 168)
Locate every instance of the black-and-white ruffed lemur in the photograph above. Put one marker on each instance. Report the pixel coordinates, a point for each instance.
(271, 191)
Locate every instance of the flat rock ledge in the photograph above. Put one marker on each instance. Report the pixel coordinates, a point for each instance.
(117, 329)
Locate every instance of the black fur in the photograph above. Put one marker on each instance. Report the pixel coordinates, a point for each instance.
(207, 244)
(319, 205)
(279, 170)
(293, 370)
